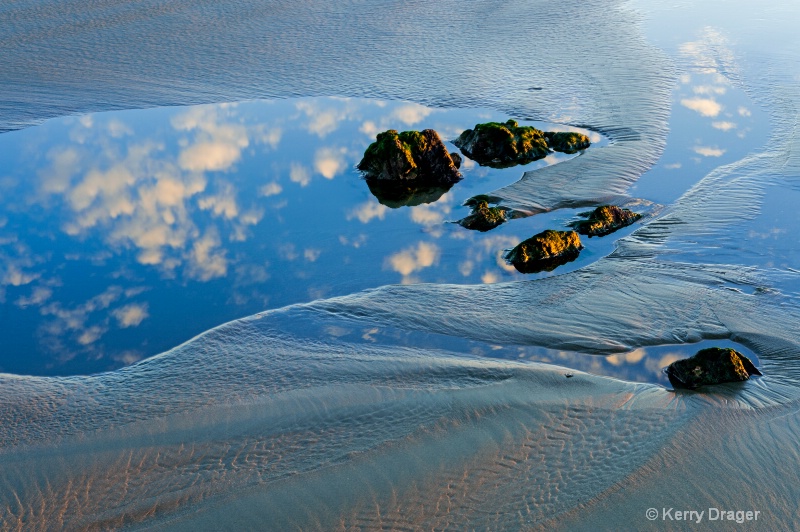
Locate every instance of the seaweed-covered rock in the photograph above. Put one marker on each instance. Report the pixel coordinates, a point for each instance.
(484, 218)
(710, 366)
(567, 141)
(456, 159)
(409, 156)
(545, 251)
(605, 220)
(502, 145)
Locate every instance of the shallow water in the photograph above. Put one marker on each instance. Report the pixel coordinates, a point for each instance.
(385, 408)
(117, 226)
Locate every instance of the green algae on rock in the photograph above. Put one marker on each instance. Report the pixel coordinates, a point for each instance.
(484, 218)
(502, 145)
(567, 141)
(710, 366)
(409, 156)
(605, 220)
(545, 251)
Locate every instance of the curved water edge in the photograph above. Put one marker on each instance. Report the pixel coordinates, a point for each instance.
(267, 420)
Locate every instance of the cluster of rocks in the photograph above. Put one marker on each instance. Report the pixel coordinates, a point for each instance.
(414, 167)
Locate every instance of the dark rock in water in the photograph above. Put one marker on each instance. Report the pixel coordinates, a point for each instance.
(509, 144)
(476, 200)
(456, 159)
(405, 193)
(418, 156)
(502, 145)
(710, 366)
(605, 220)
(483, 218)
(567, 141)
(545, 251)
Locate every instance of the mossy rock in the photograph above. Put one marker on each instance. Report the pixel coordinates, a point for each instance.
(409, 156)
(500, 145)
(545, 251)
(605, 220)
(714, 365)
(484, 218)
(567, 141)
(405, 193)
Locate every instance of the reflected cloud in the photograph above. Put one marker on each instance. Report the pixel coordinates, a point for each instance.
(744, 111)
(706, 151)
(709, 89)
(369, 128)
(322, 121)
(73, 321)
(221, 204)
(330, 161)
(299, 174)
(270, 189)
(704, 106)
(15, 276)
(311, 255)
(218, 145)
(411, 113)
(210, 156)
(39, 295)
(723, 126)
(673, 166)
(368, 211)
(131, 315)
(414, 259)
(489, 278)
(711, 54)
(426, 215)
(632, 357)
(206, 259)
(117, 129)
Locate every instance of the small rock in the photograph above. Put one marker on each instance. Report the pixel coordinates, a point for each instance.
(567, 141)
(502, 145)
(484, 218)
(456, 159)
(605, 220)
(545, 251)
(710, 366)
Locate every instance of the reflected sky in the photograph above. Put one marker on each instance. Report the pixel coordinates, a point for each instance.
(123, 234)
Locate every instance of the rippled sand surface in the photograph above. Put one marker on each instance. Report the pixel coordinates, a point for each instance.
(378, 409)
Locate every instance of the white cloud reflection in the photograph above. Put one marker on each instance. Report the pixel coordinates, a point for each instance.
(330, 161)
(705, 106)
(299, 174)
(706, 151)
(131, 315)
(723, 125)
(368, 211)
(218, 144)
(414, 259)
(142, 195)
